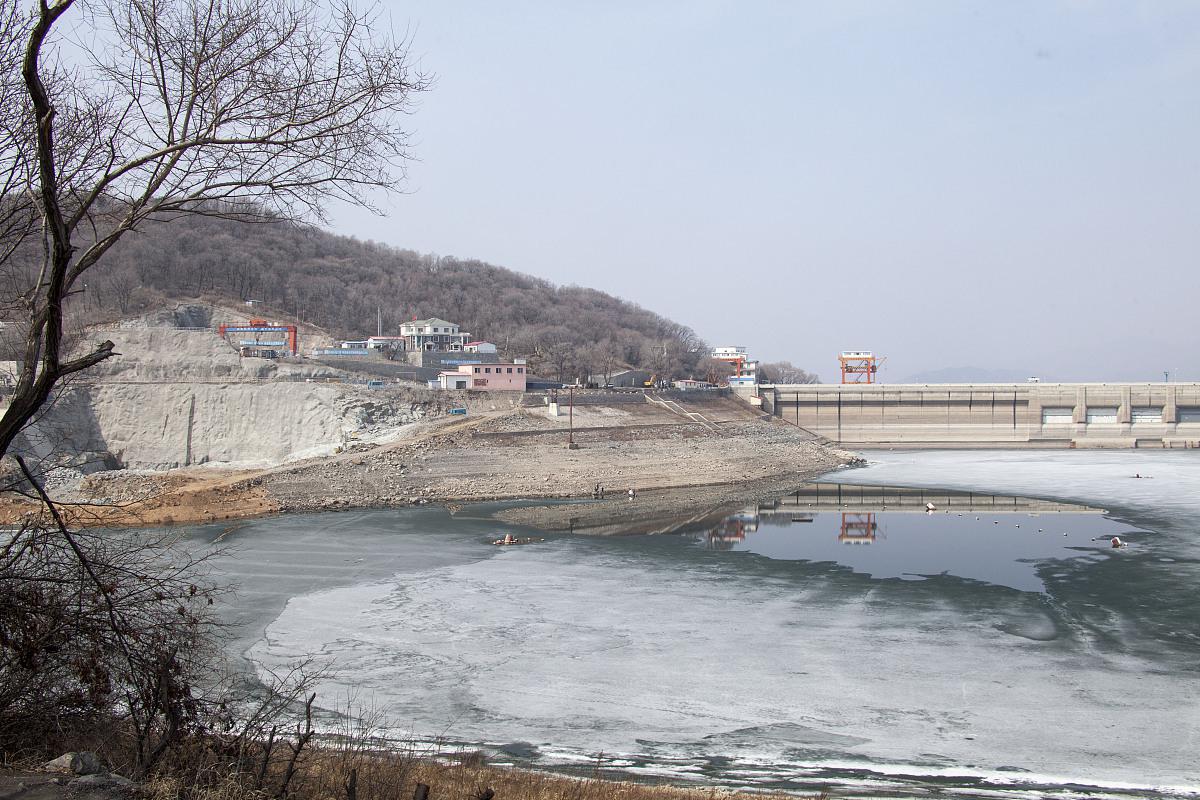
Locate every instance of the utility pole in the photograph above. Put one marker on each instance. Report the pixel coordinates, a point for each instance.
(378, 321)
(571, 421)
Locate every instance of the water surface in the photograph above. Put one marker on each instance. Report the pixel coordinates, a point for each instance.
(875, 647)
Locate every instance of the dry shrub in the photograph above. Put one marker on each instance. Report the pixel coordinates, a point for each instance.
(103, 639)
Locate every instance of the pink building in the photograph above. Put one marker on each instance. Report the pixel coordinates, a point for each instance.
(485, 377)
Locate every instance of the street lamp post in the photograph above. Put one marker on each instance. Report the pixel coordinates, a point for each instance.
(571, 421)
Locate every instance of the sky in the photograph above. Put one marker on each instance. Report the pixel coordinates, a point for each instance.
(1013, 187)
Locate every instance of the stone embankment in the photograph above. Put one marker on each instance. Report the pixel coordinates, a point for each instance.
(514, 456)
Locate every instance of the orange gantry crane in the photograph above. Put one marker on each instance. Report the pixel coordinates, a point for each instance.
(859, 366)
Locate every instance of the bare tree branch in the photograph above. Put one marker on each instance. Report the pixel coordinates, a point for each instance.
(232, 108)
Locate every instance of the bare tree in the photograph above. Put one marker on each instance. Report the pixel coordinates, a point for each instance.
(785, 372)
(232, 108)
(555, 350)
(123, 284)
(714, 371)
(608, 358)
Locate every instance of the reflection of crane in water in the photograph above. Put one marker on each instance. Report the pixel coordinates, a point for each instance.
(858, 528)
(732, 530)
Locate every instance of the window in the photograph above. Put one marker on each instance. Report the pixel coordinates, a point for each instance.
(1150, 414)
(1058, 416)
(477, 370)
(1188, 413)
(520, 370)
(487, 369)
(510, 370)
(481, 381)
(1104, 415)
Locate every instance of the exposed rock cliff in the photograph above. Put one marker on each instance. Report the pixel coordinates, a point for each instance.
(178, 395)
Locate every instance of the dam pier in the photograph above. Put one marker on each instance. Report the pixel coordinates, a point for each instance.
(1051, 415)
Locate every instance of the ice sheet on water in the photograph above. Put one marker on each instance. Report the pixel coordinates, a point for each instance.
(673, 656)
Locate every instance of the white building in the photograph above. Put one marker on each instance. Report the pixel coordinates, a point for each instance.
(738, 357)
(433, 334)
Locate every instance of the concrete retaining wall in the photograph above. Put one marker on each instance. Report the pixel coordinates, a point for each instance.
(1006, 415)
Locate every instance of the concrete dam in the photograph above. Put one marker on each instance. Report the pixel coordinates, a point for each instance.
(1124, 415)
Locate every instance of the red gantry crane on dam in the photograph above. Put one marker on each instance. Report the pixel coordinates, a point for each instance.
(859, 366)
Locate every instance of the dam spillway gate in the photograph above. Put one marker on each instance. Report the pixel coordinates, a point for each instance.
(1122, 415)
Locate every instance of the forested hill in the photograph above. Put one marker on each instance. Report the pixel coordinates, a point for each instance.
(338, 282)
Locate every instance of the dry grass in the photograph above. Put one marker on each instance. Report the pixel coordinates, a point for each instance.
(395, 775)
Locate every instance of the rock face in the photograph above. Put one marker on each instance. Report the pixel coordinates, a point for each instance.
(84, 762)
(240, 425)
(175, 398)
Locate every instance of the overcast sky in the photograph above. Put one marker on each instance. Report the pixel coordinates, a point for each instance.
(1009, 186)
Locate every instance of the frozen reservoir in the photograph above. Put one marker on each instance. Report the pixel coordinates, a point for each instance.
(978, 648)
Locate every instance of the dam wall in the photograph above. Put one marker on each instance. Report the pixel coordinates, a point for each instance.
(1123, 415)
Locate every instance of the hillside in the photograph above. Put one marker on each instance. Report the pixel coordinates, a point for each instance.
(337, 283)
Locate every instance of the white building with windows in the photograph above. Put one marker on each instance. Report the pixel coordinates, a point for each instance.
(485, 377)
(433, 334)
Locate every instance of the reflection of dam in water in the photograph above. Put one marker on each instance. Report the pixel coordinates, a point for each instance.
(835, 496)
(858, 510)
(858, 528)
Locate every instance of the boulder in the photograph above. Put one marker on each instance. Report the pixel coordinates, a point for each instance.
(102, 780)
(82, 763)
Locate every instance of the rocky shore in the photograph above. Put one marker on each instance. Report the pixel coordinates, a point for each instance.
(673, 464)
(494, 461)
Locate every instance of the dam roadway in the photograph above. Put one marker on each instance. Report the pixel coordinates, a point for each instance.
(1082, 415)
